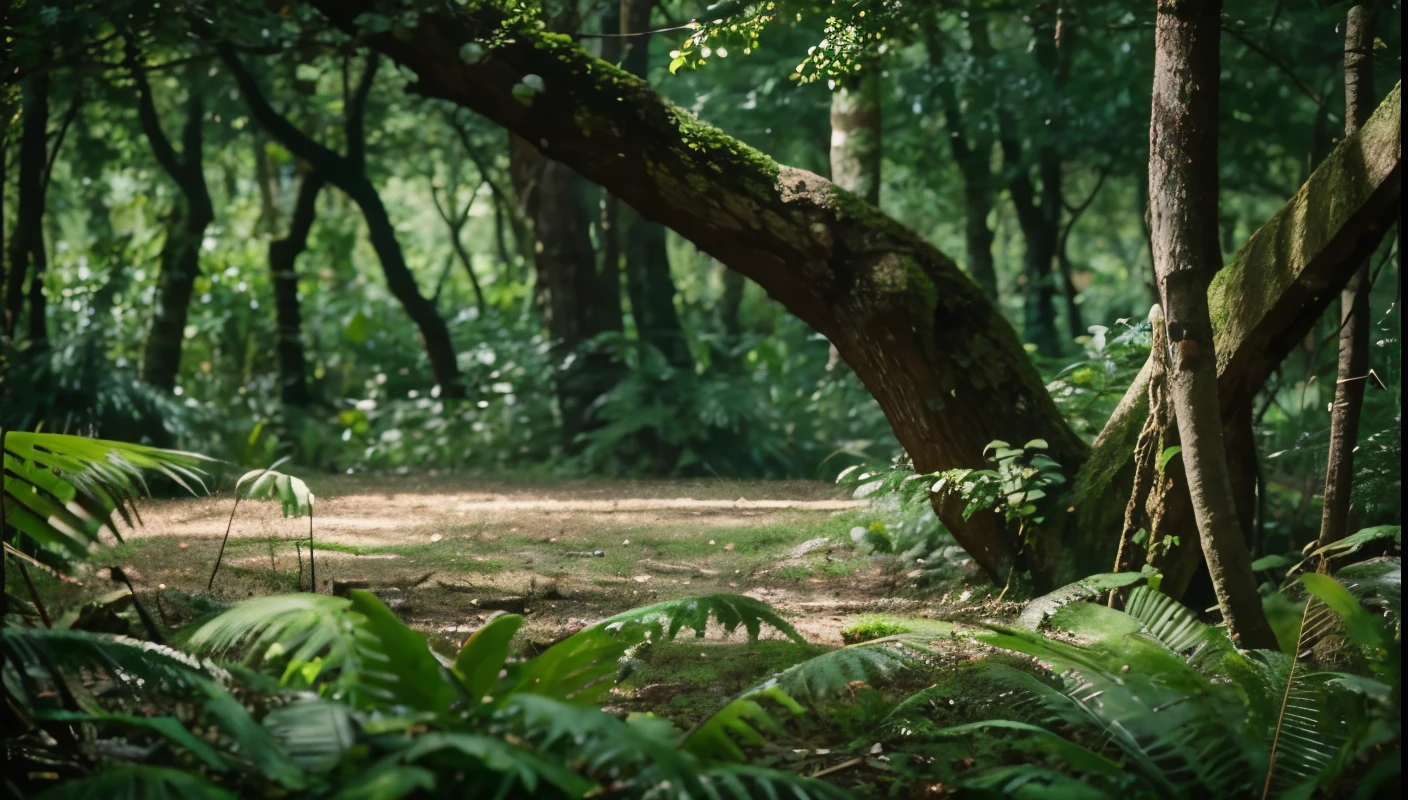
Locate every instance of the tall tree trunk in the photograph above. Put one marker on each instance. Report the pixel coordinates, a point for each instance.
(973, 154)
(550, 194)
(283, 258)
(648, 280)
(1038, 213)
(26, 245)
(901, 313)
(349, 173)
(1183, 191)
(1354, 300)
(180, 254)
(1262, 304)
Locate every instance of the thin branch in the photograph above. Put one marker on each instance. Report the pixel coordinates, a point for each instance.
(356, 113)
(64, 124)
(1316, 97)
(151, 123)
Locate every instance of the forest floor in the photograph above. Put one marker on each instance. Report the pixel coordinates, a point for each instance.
(447, 553)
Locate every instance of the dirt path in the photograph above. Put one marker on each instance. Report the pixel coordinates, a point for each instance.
(447, 552)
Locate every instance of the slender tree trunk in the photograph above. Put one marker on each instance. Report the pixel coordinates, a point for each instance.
(26, 245)
(349, 173)
(1183, 191)
(1354, 300)
(648, 280)
(283, 258)
(180, 254)
(973, 154)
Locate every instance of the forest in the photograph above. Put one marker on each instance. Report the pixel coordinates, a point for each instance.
(701, 399)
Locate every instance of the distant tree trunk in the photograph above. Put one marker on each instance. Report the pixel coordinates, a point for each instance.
(26, 245)
(856, 132)
(349, 173)
(180, 254)
(648, 280)
(1039, 211)
(283, 258)
(973, 154)
(731, 304)
(267, 179)
(550, 193)
(1354, 300)
(1183, 191)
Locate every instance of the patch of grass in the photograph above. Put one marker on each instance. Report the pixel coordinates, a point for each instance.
(794, 572)
(869, 628)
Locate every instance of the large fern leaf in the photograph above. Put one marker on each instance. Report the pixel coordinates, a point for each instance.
(61, 491)
(312, 635)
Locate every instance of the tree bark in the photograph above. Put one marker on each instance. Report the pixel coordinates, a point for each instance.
(1352, 378)
(349, 173)
(26, 245)
(283, 258)
(1183, 191)
(180, 254)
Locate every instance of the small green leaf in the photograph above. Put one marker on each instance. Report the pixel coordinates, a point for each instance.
(676, 63)
(1168, 455)
(1036, 444)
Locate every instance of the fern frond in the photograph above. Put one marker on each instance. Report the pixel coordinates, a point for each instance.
(606, 746)
(746, 782)
(742, 722)
(578, 667)
(313, 634)
(314, 734)
(1036, 612)
(512, 768)
(823, 677)
(729, 610)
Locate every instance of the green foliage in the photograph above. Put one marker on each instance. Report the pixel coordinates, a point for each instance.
(61, 492)
(1183, 709)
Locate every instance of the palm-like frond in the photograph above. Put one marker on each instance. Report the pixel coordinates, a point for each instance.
(578, 667)
(139, 781)
(61, 491)
(40, 660)
(743, 722)
(314, 734)
(1036, 612)
(312, 635)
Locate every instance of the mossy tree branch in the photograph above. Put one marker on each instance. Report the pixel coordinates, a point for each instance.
(947, 369)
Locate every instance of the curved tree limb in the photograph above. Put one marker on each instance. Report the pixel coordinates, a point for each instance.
(948, 370)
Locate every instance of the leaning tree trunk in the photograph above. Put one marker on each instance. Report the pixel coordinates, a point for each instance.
(900, 312)
(26, 245)
(283, 258)
(1183, 191)
(946, 368)
(1354, 300)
